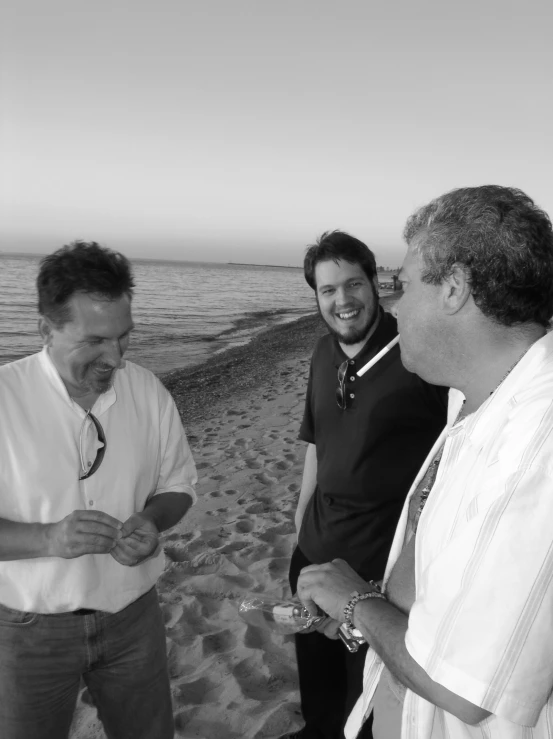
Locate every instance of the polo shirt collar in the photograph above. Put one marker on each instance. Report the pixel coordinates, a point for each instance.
(105, 400)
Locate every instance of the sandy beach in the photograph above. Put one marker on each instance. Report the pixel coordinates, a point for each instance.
(242, 413)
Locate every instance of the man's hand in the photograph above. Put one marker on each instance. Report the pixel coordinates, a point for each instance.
(82, 532)
(139, 540)
(330, 628)
(329, 586)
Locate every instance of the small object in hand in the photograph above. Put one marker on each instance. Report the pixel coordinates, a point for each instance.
(275, 614)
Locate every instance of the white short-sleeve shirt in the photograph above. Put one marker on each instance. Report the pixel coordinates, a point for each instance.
(482, 621)
(146, 454)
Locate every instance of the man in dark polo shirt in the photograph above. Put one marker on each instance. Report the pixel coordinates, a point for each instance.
(367, 438)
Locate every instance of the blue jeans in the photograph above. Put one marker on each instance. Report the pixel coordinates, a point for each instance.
(120, 656)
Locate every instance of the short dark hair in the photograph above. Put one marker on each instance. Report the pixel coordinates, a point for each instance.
(502, 240)
(337, 245)
(84, 267)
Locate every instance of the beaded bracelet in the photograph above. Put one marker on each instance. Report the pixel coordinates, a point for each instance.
(354, 600)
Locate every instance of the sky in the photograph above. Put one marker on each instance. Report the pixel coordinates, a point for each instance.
(231, 130)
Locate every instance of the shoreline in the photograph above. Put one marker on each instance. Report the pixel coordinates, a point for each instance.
(201, 390)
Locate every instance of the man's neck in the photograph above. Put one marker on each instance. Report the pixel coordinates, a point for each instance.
(85, 401)
(492, 365)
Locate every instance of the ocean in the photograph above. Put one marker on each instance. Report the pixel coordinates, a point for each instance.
(184, 311)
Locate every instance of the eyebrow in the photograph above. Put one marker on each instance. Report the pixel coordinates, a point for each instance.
(333, 284)
(96, 336)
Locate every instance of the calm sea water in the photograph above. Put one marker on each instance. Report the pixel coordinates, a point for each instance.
(184, 311)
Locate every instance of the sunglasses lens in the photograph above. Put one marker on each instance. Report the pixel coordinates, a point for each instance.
(100, 451)
(340, 390)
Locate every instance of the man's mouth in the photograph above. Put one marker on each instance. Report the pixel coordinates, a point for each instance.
(348, 315)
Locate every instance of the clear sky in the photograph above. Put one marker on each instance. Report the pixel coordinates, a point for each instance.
(226, 130)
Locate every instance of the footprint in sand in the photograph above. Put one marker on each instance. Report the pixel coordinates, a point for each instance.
(233, 546)
(265, 479)
(218, 643)
(280, 465)
(176, 554)
(230, 492)
(198, 692)
(244, 527)
(257, 508)
(214, 494)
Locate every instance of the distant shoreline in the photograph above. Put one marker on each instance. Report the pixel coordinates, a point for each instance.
(252, 264)
(202, 390)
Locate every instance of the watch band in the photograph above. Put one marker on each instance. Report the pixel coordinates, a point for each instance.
(355, 597)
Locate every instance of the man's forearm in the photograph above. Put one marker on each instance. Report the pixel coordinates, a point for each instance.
(167, 509)
(384, 627)
(309, 481)
(23, 540)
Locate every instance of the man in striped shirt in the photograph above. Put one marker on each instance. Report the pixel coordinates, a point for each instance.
(462, 635)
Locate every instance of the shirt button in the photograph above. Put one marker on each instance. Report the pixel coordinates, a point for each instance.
(352, 395)
(352, 361)
(91, 503)
(352, 378)
(89, 464)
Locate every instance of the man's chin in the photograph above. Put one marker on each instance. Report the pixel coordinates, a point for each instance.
(353, 336)
(101, 386)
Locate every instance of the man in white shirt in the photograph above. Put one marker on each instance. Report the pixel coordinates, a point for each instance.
(94, 465)
(461, 636)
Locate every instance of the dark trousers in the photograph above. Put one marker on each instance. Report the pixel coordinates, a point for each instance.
(330, 677)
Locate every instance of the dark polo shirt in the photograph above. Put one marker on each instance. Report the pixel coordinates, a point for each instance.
(368, 454)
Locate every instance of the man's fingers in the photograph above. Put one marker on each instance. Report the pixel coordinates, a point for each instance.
(96, 528)
(131, 545)
(100, 517)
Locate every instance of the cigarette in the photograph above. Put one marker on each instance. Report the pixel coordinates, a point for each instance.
(378, 356)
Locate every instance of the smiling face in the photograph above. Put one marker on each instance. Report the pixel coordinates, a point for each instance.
(88, 349)
(347, 300)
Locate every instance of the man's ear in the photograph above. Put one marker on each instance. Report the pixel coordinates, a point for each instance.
(456, 289)
(45, 330)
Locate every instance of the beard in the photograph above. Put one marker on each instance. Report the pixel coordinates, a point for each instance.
(96, 384)
(353, 336)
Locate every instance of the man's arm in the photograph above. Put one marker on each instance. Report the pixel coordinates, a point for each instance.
(140, 533)
(308, 483)
(384, 627)
(166, 509)
(81, 532)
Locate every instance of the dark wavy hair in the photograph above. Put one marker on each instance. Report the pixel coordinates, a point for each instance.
(337, 245)
(80, 267)
(502, 240)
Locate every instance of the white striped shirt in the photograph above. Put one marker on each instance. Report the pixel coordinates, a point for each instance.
(482, 621)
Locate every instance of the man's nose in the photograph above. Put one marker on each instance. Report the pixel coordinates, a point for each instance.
(114, 353)
(394, 309)
(342, 297)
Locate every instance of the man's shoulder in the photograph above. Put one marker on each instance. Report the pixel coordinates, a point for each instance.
(142, 381)
(20, 370)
